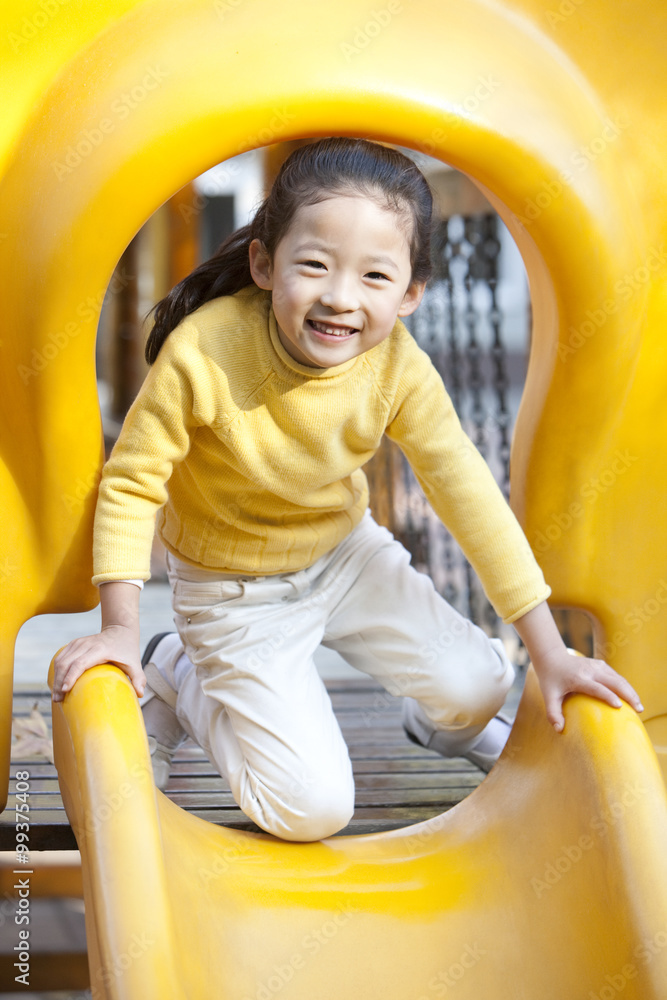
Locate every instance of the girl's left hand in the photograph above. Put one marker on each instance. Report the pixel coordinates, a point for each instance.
(561, 673)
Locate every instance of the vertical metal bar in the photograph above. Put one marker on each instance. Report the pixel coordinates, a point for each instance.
(460, 325)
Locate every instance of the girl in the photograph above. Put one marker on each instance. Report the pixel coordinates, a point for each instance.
(277, 366)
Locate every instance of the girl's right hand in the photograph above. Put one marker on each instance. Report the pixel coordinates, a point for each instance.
(116, 644)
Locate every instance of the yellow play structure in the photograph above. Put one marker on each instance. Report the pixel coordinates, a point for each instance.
(550, 880)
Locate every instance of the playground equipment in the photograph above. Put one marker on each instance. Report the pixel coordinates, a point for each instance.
(556, 113)
(546, 881)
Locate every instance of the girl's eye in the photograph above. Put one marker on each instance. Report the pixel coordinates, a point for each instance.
(377, 274)
(312, 263)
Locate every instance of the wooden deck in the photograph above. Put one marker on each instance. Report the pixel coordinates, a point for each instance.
(397, 783)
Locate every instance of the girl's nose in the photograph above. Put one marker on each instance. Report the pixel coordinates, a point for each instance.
(340, 295)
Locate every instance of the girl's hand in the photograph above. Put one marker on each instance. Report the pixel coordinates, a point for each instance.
(560, 673)
(116, 644)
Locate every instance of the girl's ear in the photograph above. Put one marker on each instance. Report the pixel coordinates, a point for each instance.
(260, 265)
(412, 298)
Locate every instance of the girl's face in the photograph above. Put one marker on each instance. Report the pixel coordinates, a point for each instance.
(340, 277)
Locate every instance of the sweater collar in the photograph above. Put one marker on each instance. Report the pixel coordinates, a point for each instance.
(294, 366)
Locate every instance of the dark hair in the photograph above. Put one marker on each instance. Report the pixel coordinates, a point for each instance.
(308, 175)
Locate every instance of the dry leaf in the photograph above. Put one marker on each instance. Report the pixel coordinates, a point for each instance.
(31, 737)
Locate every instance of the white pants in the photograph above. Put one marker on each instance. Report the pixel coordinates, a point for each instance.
(256, 703)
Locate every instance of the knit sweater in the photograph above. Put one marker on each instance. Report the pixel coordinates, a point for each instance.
(253, 462)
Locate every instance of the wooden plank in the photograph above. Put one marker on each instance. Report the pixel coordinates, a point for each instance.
(397, 782)
(45, 835)
(391, 784)
(430, 765)
(69, 970)
(436, 797)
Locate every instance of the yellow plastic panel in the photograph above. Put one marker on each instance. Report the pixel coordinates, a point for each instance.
(38, 40)
(549, 880)
(525, 98)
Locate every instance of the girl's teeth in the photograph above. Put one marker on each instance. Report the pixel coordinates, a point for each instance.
(332, 331)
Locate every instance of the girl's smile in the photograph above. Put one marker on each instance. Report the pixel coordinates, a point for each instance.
(340, 277)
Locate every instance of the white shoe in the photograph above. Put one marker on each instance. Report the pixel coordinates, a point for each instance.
(483, 750)
(163, 729)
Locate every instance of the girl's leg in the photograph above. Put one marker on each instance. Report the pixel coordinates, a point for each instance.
(256, 704)
(391, 623)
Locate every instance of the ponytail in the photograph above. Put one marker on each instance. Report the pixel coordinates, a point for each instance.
(226, 272)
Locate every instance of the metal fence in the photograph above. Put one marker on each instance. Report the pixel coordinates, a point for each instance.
(461, 326)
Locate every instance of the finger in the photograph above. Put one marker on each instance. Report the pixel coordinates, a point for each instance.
(60, 671)
(62, 664)
(553, 703)
(596, 671)
(76, 668)
(601, 691)
(138, 678)
(610, 678)
(622, 687)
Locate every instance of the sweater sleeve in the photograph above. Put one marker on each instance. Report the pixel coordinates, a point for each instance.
(461, 489)
(155, 436)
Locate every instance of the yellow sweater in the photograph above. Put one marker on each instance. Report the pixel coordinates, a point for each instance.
(252, 461)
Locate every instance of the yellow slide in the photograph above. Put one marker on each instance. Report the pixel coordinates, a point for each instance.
(555, 108)
(548, 882)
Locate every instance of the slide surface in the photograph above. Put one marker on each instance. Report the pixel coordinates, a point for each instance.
(549, 880)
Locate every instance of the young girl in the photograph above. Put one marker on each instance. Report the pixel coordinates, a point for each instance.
(277, 366)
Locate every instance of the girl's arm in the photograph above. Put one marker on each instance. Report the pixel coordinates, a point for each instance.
(560, 673)
(117, 642)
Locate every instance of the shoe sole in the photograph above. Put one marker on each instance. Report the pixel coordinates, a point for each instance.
(475, 759)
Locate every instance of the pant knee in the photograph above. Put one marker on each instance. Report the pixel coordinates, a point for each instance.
(474, 695)
(314, 814)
